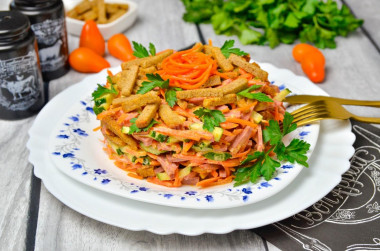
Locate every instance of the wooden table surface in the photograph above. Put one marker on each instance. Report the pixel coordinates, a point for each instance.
(31, 218)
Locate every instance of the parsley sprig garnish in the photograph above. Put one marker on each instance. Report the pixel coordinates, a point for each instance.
(171, 95)
(227, 49)
(101, 91)
(155, 81)
(133, 128)
(141, 52)
(256, 95)
(210, 118)
(262, 164)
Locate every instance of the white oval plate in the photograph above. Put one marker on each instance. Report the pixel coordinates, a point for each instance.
(78, 152)
(329, 161)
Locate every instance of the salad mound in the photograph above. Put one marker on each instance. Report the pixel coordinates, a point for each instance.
(203, 116)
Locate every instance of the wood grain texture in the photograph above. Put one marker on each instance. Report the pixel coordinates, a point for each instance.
(61, 228)
(14, 183)
(369, 11)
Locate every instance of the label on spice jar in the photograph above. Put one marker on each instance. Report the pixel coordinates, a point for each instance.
(19, 82)
(51, 41)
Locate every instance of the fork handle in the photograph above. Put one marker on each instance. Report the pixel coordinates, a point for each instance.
(357, 102)
(366, 119)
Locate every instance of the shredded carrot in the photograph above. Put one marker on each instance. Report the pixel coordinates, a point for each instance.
(96, 128)
(107, 113)
(109, 73)
(186, 146)
(210, 42)
(155, 180)
(241, 121)
(206, 182)
(133, 175)
(227, 133)
(188, 69)
(226, 125)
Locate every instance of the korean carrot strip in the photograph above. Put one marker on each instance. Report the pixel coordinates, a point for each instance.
(241, 121)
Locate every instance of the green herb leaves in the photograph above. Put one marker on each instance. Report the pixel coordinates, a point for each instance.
(133, 128)
(257, 95)
(227, 49)
(141, 52)
(210, 118)
(271, 22)
(101, 91)
(171, 95)
(155, 81)
(262, 164)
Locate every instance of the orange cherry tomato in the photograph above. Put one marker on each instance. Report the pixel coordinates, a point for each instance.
(314, 69)
(300, 51)
(312, 61)
(91, 38)
(120, 47)
(86, 60)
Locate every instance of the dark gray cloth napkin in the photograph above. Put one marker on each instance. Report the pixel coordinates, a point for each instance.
(348, 218)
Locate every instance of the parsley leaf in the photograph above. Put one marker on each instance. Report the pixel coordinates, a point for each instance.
(262, 164)
(227, 49)
(133, 128)
(141, 52)
(271, 22)
(257, 95)
(155, 81)
(152, 49)
(171, 96)
(101, 90)
(210, 118)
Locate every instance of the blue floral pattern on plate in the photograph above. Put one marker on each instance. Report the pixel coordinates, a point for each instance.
(75, 148)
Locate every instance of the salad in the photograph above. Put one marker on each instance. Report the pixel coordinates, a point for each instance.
(204, 116)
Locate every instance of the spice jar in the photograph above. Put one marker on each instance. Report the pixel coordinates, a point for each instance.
(21, 84)
(47, 18)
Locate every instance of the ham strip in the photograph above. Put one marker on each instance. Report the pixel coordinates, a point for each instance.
(241, 140)
(169, 168)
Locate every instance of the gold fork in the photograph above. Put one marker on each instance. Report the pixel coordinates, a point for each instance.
(326, 109)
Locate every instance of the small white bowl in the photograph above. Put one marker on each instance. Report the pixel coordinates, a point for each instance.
(74, 26)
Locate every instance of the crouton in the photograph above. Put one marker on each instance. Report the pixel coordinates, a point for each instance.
(212, 81)
(114, 127)
(207, 49)
(145, 171)
(229, 98)
(146, 115)
(127, 80)
(221, 59)
(154, 60)
(253, 68)
(144, 71)
(126, 65)
(197, 93)
(170, 118)
(136, 101)
(115, 140)
(235, 86)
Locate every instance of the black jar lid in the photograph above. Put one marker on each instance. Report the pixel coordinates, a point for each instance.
(25, 5)
(13, 25)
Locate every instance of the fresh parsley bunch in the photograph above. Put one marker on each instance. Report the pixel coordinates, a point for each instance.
(262, 163)
(272, 22)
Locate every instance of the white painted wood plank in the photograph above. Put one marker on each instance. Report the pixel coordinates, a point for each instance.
(65, 229)
(14, 183)
(368, 10)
